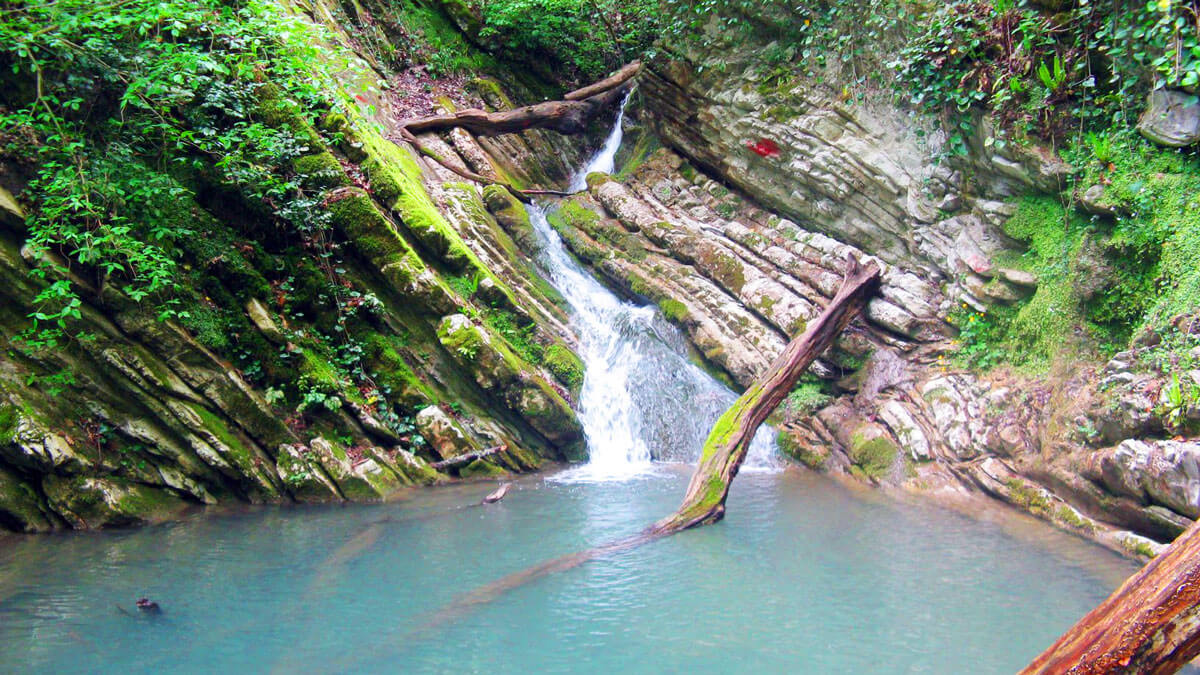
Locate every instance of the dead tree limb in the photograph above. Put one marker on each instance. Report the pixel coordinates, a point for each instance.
(729, 440)
(569, 116)
(724, 450)
(467, 458)
(618, 78)
(565, 117)
(1151, 624)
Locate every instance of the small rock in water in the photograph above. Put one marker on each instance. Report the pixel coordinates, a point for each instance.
(498, 494)
(149, 606)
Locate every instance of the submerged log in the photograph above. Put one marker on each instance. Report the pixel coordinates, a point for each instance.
(730, 438)
(497, 495)
(1151, 624)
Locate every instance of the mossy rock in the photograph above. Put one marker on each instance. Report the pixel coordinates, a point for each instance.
(239, 453)
(512, 216)
(566, 366)
(481, 468)
(874, 454)
(303, 476)
(21, 509)
(280, 113)
(673, 310)
(393, 373)
(321, 171)
(109, 502)
(814, 457)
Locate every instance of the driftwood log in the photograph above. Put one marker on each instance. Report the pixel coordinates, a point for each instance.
(729, 440)
(568, 116)
(1151, 624)
(724, 450)
(467, 457)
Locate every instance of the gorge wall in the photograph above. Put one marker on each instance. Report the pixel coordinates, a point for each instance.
(414, 331)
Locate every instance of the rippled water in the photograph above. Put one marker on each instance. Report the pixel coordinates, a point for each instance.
(803, 576)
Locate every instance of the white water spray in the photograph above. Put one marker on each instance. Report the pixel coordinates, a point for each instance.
(642, 399)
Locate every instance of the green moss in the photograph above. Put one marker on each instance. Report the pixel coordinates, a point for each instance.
(465, 341)
(814, 457)
(9, 416)
(321, 170)
(1067, 516)
(319, 372)
(724, 268)
(673, 309)
(481, 468)
(565, 365)
(874, 455)
(1138, 548)
(396, 182)
(281, 113)
(242, 455)
(392, 372)
(1029, 498)
(373, 235)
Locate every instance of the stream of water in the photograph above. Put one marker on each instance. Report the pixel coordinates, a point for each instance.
(642, 399)
(804, 576)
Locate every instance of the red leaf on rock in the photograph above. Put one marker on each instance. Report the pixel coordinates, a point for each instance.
(763, 147)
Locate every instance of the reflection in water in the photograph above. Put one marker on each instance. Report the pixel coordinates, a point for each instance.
(803, 576)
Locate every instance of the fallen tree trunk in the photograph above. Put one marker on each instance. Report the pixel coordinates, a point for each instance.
(618, 78)
(466, 458)
(565, 117)
(730, 438)
(1151, 624)
(568, 116)
(724, 450)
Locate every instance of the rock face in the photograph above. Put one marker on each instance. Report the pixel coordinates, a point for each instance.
(738, 228)
(1172, 118)
(281, 385)
(865, 174)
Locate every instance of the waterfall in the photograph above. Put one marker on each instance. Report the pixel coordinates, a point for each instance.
(605, 158)
(642, 399)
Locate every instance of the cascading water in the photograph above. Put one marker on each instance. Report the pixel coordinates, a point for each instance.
(642, 399)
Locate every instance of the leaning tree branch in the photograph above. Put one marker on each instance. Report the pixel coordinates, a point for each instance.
(724, 450)
(1151, 624)
(729, 441)
(568, 116)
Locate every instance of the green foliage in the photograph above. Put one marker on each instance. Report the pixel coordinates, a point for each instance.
(809, 396)
(587, 38)
(980, 337)
(1181, 398)
(113, 102)
(520, 338)
(1046, 74)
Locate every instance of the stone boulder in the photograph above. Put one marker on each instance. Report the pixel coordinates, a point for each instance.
(1160, 472)
(442, 432)
(1172, 118)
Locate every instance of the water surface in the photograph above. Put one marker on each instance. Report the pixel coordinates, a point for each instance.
(803, 576)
